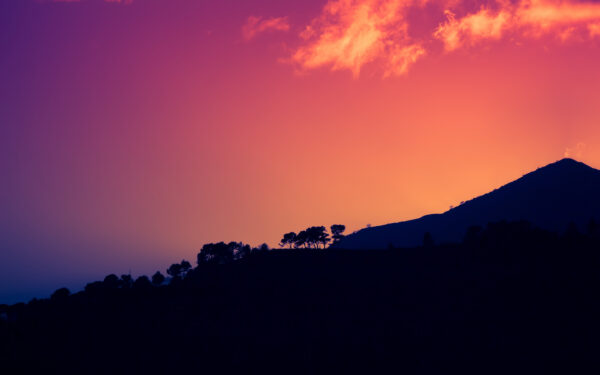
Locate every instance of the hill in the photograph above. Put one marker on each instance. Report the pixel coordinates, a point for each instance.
(550, 197)
(511, 299)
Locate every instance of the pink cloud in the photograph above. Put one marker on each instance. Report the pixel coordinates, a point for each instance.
(401, 58)
(257, 25)
(349, 34)
(576, 152)
(594, 29)
(477, 26)
(528, 19)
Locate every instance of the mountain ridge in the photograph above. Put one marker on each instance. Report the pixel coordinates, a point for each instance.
(550, 197)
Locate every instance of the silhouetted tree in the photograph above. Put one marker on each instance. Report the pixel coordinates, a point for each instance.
(126, 281)
(175, 270)
(142, 282)
(312, 237)
(237, 249)
(94, 287)
(289, 239)
(301, 240)
(111, 281)
(337, 231)
(60, 294)
(219, 253)
(179, 270)
(185, 267)
(158, 279)
(241, 251)
(317, 236)
(264, 247)
(324, 237)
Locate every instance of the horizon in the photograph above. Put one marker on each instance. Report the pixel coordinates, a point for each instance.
(17, 297)
(133, 132)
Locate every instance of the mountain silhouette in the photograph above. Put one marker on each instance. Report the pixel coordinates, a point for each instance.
(510, 298)
(550, 197)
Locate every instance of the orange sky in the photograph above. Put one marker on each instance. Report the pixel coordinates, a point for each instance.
(137, 131)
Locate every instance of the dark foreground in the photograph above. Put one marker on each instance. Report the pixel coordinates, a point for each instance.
(510, 299)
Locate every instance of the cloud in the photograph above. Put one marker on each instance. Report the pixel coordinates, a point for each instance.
(258, 25)
(352, 33)
(576, 152)
(474, 27)
(349, 34)
(400, 58)
(594, 29)
(527, 19)
(545, 15)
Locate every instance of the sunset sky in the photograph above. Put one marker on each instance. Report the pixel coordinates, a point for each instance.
(134, 131)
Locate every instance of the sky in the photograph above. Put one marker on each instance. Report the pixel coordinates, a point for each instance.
(134, 131)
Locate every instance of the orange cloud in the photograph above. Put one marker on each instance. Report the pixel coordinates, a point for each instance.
(544, 14)
(257, 25)
(352, 33)
(594, 29)
(400, 58)
(576, 152)
(528, 18)
(349, 34)
(475, 27)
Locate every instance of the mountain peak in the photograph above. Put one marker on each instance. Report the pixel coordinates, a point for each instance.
(550, 197)
(569, 162)
(566, 163)
(562, 169)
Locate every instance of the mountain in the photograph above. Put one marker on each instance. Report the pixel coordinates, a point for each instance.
(550, 197)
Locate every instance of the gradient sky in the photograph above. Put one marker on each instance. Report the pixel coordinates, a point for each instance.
(132, 132)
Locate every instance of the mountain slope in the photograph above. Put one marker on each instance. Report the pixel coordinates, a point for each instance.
(550, 197)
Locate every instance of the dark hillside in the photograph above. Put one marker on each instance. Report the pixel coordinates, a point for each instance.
(510, 298)
(550, 197)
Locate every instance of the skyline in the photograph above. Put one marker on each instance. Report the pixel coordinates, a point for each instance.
(133, 132)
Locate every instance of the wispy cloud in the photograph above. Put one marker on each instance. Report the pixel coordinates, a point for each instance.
(349, 34)
(594, 29)
(472, 27)
(576, 152)
(528, 19)
(257, 25)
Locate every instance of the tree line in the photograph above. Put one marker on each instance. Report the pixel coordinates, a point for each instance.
(313, 237)
(317, 237)
(507, 288)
